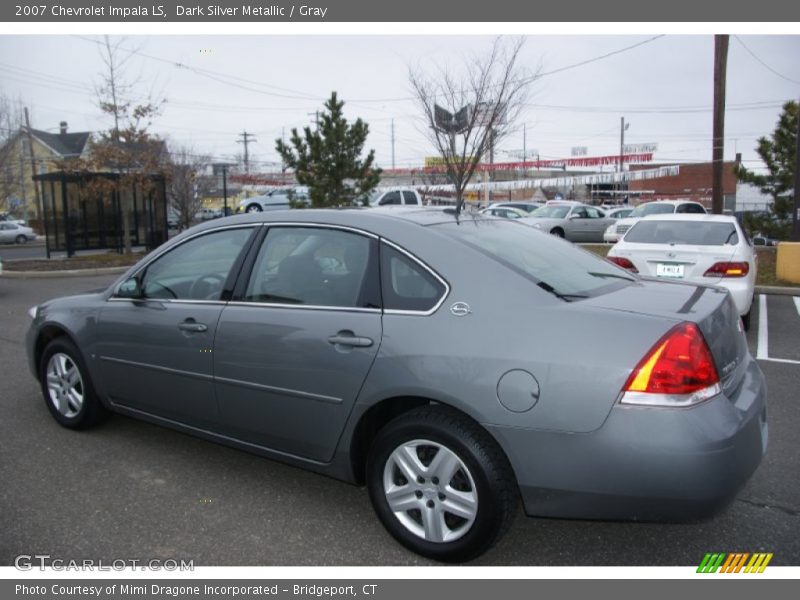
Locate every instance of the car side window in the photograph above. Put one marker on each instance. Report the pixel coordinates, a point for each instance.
(580, 212)
(407, 285)
(593, 213)
(314, 266)
(390, 198)
(409, 198)
(197, 269)
(690, 209)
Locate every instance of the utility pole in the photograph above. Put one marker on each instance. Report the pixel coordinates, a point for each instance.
(246, 139)
(718, 150)
(622, 128)
(283, 161)
(33, 164)
(796, 211)
(392, 143)
(315, 114)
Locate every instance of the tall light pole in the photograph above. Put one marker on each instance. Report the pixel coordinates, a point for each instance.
(622, 128)
(796, 211)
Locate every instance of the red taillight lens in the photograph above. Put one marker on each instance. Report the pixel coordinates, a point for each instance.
(679, 364)
(728, 269)
(623, 262)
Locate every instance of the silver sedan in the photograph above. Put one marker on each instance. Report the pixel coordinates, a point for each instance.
(11, 233)
(453, 364)
(571, 220)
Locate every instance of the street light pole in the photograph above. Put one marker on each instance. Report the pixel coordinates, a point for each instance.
(796, 211)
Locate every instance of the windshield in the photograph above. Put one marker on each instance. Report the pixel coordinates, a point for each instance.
(554, 265)
(692, 233)
(652, 208)
(550, 212)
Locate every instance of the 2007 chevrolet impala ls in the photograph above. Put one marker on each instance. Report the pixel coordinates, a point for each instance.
(451, 363)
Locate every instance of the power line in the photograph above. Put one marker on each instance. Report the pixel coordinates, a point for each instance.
(765, 65)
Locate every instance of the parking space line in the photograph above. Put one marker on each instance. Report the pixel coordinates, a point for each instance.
(762, 352)
(788, 361)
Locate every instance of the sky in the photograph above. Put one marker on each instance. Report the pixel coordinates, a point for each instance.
(218, 86)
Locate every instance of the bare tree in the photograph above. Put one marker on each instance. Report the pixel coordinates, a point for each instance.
(467, 113)
(127, 150)
(11, 161)
(187, 185)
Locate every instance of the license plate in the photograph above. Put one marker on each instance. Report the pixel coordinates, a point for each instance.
(667, 270)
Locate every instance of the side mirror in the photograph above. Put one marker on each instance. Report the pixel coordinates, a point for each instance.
(130, 288)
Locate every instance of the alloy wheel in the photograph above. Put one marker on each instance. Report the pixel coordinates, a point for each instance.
(430, 491)
(65, 384)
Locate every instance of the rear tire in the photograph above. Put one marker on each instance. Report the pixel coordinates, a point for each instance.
(67, 387)
(451, 488)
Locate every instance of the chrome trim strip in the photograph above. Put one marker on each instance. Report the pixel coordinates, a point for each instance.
(418, 313)
(132, 363)
(320, 225)
(168, 300)
(305, 306)
(280, 390)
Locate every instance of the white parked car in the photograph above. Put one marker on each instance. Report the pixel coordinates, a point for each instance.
(505, 212)
(616, 230)
(11, 233)
(395, 196)
(618, 212)
(699, 249)
(277, 199)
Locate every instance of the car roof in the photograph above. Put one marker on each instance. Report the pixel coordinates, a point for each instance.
(673, 202)
(692, 217)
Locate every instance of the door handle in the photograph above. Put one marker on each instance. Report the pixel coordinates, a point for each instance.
(350, 340)
(193, 327)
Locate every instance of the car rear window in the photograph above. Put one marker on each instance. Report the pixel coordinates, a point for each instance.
(555, 265)
(692, 233)
(653, 208)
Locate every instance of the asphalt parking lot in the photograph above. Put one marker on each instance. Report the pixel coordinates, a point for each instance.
(133, 490)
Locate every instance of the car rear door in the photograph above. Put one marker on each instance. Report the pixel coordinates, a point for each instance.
(295, 344)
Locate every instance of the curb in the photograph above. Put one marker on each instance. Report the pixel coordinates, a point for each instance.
(777, 291)
(67, 273)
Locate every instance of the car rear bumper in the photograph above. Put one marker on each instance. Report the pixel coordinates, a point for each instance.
(645, 463)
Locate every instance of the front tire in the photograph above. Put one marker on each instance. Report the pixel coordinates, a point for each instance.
(558, 232)
(252, 208)
(67, 387)
(440, 484)
(21, 239)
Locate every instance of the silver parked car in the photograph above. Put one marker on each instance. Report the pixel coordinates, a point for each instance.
(12, 233)
(452, 364)
(571, 220)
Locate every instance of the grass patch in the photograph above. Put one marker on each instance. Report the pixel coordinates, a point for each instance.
(84, 261)
(766, 264)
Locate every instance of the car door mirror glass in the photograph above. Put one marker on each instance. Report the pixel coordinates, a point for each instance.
(130, 288)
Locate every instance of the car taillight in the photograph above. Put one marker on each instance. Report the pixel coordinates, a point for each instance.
(623, 262)
(728, 269)
(678, 371)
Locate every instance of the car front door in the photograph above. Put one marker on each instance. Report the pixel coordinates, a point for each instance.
(576, 224)
(295, 344)
(596, 224)
(155, 335)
